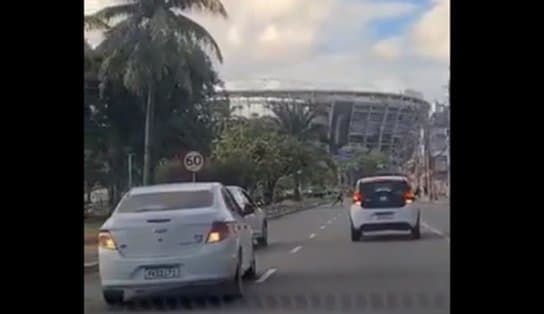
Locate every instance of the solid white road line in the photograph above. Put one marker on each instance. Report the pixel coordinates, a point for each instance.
(296, 249)
(312, 235)
(266, 275)
(322, 227)
(434, 230)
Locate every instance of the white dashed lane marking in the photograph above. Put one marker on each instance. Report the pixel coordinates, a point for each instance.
(434, 230)
(312, 235)
(266, 275)
(296, 249)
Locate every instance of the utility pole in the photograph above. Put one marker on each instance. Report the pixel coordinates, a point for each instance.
(427, 158)
(448, 159)
(130, 170)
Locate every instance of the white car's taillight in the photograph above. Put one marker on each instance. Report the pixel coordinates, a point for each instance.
(358, 198)
(219, 232)
(106, 241)
(409, 197)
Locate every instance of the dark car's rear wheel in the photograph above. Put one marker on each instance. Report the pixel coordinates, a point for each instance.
(113, 297)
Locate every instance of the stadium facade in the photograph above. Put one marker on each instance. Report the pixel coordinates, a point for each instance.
(389, 122)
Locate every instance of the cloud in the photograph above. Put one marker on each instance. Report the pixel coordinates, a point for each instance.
(271, 31)
(431, 34)
(387, 48)
(326, 44)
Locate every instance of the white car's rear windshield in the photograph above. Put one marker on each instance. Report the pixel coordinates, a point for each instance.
(166, 201)
(383, 193)
(391, 186)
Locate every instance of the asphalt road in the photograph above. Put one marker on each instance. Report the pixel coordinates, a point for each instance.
(312, 266)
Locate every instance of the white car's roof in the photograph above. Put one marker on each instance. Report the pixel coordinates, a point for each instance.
(382, 178)
(171, 187)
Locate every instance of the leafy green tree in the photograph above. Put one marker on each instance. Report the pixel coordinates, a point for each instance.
(363, 163)
(232, 151)
(296, 120)
(151, 44)
(259, 148)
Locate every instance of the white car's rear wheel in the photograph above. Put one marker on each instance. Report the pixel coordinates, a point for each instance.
(251, 273)
(113, 297)
(416, 230)
(263, 239)
(355, 235)
(236, 289)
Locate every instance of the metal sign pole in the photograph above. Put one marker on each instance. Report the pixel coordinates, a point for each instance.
(194, 176)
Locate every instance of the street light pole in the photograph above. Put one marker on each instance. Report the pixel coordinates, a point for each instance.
(130, 170)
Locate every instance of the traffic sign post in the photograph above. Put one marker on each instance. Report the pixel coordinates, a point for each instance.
(193, 161)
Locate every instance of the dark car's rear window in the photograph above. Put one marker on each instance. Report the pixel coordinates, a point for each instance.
(166, 201)
(383, 194)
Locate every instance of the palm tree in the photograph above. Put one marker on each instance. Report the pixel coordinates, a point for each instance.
(296, 120)
(149, 43)
(91, 22)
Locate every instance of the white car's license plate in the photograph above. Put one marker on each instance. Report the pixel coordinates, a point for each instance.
(152, 273)
(384, 217)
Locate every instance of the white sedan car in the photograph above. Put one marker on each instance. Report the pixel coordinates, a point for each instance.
(384, 203)
(165, 237)
(257, 220)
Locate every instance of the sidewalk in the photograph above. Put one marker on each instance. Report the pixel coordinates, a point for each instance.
(426, 199)
(282, 209)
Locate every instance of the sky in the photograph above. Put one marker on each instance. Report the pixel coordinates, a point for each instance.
(368, 45)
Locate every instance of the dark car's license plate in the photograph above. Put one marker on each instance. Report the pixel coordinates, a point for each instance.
(169, 272)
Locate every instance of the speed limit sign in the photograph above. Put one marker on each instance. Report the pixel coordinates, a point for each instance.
(193, 161)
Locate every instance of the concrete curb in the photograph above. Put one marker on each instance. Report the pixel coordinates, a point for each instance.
(288, 212)
(93, 266)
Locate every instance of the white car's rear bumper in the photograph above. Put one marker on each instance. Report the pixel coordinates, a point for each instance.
(213, 263)
(402, 218)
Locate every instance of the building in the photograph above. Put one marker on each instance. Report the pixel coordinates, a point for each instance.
(439, 149)
(389, 122)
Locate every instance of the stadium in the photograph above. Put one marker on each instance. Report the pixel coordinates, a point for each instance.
(389, 122)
